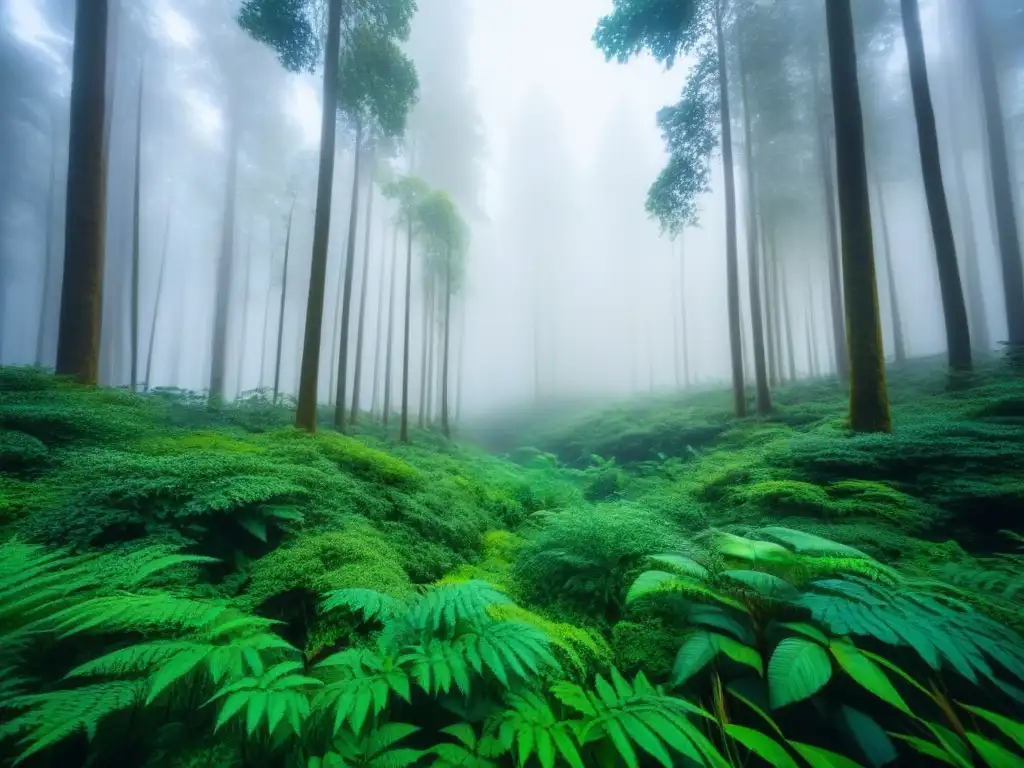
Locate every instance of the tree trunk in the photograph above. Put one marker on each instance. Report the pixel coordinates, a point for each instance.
(1002, 186)
(461, 371)
(364, 282)
(346, 296)
(787, 317)
(246, 297)
(898, 339)
(869, 402)
(224, 282)
(156, 303)
(136, 204)
(391, 326)
(677, 300)
(404, 436)
(835, 268)
(44, 303)
(378, 347)
(445, 427)
(764, 397)
(771, 311)
(78, 343)
(284, 296)
(305, 415)
(266, 307)
(972, 269)
(954, 310)
(428, 351)
(812, 340)
(731, 256)
(682, 312)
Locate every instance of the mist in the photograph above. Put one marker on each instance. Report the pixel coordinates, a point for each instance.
(571, 291)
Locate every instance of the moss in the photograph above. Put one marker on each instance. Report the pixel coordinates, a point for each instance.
(785, 497)
(359, 458)
(645, 645)
(21, 453)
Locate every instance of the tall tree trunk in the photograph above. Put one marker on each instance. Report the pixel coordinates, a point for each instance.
(246, 297)
(78, 343)
(682, 312)
(332, 355)
(771, 310)
(731, 256)
(224, 282)
(428, 350)
(284, 297)
(764, 397)
(391, 326)
(136, 216)
(44, 302)
(404, 435)
(978, 320)
(787, 317)
(445, 427)
(899, 344)
(999, 168)
(364, 281)
(677, 300)
(305, 415)
(835, 268)
(346, 297)
(378, 348)
(869, 401)
(461, 371)
(812, 340)
(156, 302)
(954, 310)
(267, 304)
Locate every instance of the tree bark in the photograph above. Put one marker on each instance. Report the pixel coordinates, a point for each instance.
(899, 344)
(771, 310)
(835, 269)
(378, 347)
(404, 435)
(461, 371)
(812, 341)
(787, 317)
(1002, 187)
(346, 297)
(156, 303)
(136, 205)
(677, 301)
(445, 426)
(427, 368)
(364, 281)
(391, 326)
(954, 310)
(78, 342)
(246, 297)
(266, 307)
(305, 415)
(764, 397)
(731, 256)
(284, 296)
(48, 265)
(869, 402)
(978, 321)
(224, 281)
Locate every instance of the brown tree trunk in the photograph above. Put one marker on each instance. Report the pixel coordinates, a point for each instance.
(764, 397)
(156, 303)
(999, 167)
(136, 205)
(305, 415)
(364, 281)
(224, 281)
(835, 269)
(78, 343)
(445, 427)
(391, 326)
(346, 296)
(771, 310)
(404, 435)
(869, 402)
(284, 296)
(731, 256)
(954, 310)
(899, 344)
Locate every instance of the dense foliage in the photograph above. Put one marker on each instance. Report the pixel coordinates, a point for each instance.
(655, 584)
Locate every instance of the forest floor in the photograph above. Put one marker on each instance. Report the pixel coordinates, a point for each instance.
(562, 523)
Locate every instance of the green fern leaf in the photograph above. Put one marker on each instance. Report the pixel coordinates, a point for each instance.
(751, 550)
(822, 758)
(808, 542)
(174, 669)
(873, 741)
(682, 564)
(763, 746)
(928, 749)
(866, 674)
(797, 670)
(697, 652)
(645, 738)
(373, 605)
(764, 584)
(995, 755)
(1010, 728)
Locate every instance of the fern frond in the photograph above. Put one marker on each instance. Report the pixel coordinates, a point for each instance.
(356, 682)
(128, 612)
(279, 695)
(52, 717)
(582, 648)
(507, 649)
(442, 609)
(528, 726)
(374, 606)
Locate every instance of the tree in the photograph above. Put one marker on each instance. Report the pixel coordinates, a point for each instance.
(284, 297)
(869, 401)
(148, 383)
(408, 192)
(78, 343)
(446, 237)
(667, 28)
(136, 217)
(364, 281)
(954, 309)
(378, 86)
(1008, 235)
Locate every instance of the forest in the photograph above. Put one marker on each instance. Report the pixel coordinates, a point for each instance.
(402, 383)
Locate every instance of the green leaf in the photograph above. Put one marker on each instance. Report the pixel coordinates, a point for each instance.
(763, 746)
(174, 669)
(545, 748)
(808, 542)
(867, 674)
(740, 653)
(798, 669)
(682, 564)
(807, 630)
(765, 584)
(257, 526)
(872, 740)
(645, 738)
(752, 550)
(257, 706)
(1011, 728)
(717, 617)
(649, 583)
(622, 743)
(733, 688)
(822, 758)
(993, 754)
(926, 748)
(566, 748)
(697, 652)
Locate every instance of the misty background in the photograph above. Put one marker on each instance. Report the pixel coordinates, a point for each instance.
(570, 291)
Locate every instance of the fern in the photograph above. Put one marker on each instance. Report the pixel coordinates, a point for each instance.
(278, 697)
(374, 750)
(469, 752)
(358, 686)
(528, 727)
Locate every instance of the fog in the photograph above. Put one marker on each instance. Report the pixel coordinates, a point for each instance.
(571, 291)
